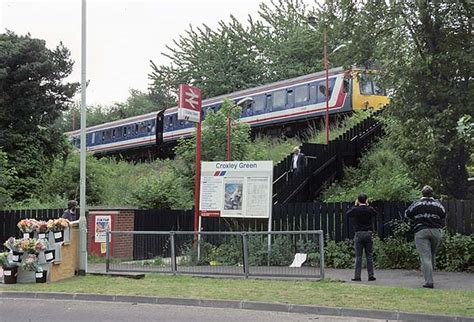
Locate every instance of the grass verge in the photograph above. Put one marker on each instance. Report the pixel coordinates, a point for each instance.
(327, 293)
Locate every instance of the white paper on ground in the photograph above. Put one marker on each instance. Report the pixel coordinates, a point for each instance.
(299, 260)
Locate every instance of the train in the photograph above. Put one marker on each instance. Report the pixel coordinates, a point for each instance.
(281, 103)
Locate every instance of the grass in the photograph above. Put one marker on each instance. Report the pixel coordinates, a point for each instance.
(327, 293)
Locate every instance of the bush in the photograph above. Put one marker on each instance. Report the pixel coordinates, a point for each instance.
(396, 251)
(339, 254)
(456, 253)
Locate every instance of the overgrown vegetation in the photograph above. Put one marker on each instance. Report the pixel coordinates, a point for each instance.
(456, 253)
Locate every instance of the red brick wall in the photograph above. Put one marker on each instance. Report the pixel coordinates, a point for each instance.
(122, 220)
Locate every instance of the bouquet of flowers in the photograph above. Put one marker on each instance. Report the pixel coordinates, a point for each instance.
(4, 262)
(40, 245)
(42, 226)
(28, 245)
(58, 224)
(12, 244)
(27, 225)
(30, 263)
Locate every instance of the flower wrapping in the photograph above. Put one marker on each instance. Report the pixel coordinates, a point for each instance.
(27, 225)
(58, 224)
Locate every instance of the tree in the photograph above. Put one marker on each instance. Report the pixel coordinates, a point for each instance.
(214, 141)
(431, 77)
(33, 95)
(7, 174)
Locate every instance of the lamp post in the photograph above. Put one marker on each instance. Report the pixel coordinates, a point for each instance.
(82, 181)
(239, 103)
(312, 24)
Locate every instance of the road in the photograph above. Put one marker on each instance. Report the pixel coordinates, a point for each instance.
(19, 310)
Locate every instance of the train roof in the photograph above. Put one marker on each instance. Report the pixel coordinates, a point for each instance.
(217, 99)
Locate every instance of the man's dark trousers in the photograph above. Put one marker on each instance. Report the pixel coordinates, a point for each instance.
(363, 240)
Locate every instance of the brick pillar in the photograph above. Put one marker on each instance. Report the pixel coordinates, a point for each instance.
(121, 220)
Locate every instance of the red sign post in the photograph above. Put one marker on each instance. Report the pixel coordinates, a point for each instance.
(189, 109)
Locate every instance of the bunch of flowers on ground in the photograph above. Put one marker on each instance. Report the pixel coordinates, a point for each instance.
(42, 226)
(12, 244)
(27, 225)
(28, 245)
(4, 261)
(58, 224)
(41, 245)
(30, 263)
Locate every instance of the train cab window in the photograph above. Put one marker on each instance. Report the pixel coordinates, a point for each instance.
(258, 105)
(290, 98)
(365, 85)
(301, 94)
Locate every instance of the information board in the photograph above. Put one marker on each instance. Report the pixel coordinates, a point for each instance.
(236, 189)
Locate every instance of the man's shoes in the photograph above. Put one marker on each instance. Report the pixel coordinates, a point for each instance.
(356, 279)
(372, 278)
(428, 285)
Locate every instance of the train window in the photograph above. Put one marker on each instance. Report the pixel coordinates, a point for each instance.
(346, 86)
(148, 127)
(365, 85)
(279, 100)
(93, 138)
(124, 131)
(290, 98)
(313, 93)
(136, 128)
(258, 104)
(113, 134)
(301, 94)
(269, 103)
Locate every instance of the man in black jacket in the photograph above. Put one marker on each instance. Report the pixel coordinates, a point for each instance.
(361, 216)
(428, 216)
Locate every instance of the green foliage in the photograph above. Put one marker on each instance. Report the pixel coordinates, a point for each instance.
(381, 174)
(395, 251)
(164, 190)
(63, 180)
(33, 94)
(431, 81)
(339, 254)
(7, 174)
(456, 253)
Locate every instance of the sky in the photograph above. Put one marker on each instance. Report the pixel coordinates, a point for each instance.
(122, 36)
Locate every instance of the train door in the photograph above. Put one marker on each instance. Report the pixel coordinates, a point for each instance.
(159, 127)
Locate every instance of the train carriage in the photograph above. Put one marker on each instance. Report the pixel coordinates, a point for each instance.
(294, 100)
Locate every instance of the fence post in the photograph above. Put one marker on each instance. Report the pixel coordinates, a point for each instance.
(107, 251)
(321, 255)
(246, 254)
(173, 253)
